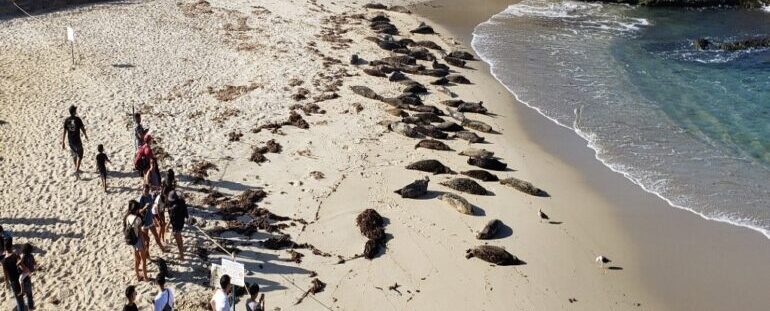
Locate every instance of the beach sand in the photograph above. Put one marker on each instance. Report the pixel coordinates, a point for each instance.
(199, 72)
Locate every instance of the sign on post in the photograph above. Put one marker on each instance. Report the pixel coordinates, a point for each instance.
(235, 270)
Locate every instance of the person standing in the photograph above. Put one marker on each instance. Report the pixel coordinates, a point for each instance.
(132, 224)
(164, 301)
(73, 126)
(139, 130)
(221, 299)
(131, 297)
(12, 274)
(178, 214)
(101, 165)
(252, 304)
(27, 265)
(144, 156)
(146, 202)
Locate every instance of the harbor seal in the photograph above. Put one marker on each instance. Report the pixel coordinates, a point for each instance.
(461, 55)
(449, 126)
(437, 65)
(465, 185)
(430, 166)
(481, 175)
(474, 124)
(397, 76)
(457, 202)
(477, 153)
(432, 144)
(523, 186)
(396, 112)
(428, 44)
(415, 88)
(472, 107)
(488, 163)
(440, 81)
(469, 136)
(454, 103)
(429, 117)
(423, 28)
(374, 72)
(414, 190)
(459, 116)
(403, 129)
(490, 230)
(365, 92)
(431, 131)
(493, 254)
(454, 61)
(459, 79)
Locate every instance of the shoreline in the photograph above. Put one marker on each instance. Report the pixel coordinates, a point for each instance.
(567, 145)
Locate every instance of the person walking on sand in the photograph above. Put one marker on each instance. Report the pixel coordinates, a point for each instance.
(164, 301)
(144, 156)
(13, 274)
(252, 304)
(146, 202)
(27, 265)
(221, 299)
(101, 165)
(131, 229)
(73, 126)
(131, 297)
(177, 208)
(139, 130)
(152, 177)
(159, 211)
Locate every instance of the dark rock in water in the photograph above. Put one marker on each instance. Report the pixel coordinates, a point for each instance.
(439, 66)
(523, 186)
(423, 29)
(472, 107)
(389, 45)
(432, 144)
(397, 76)
(430, 166)
(461, 55)
(375, 6)
(477, 125)
(355, 60)
(465, 185)
(416, 88)
(399, 9)
(701, 44)
(490, 230)
(488, 163)
(751, 43)
(428, 44)
(440, 81)
(414, 190)
(374, 72)
(458, 79)
(380, 18)
(431, 131)
(454, 61)
(365, 92)
(469, 136)
(493, 254)
(454, 103)
(449, 126)
(481, 175)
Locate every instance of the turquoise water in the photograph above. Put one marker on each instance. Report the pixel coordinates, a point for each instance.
(691, 126)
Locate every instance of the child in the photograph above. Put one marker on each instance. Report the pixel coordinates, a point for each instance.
(131, 296)
(252, 304)
(27, 265)
(101, 165)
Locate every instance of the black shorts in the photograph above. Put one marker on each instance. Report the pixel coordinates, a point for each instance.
(103, 172)
(76, 151)
(177, 227)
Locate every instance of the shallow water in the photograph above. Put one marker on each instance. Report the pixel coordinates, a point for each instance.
(691, 126)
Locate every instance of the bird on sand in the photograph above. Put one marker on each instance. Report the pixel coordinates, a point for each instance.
(601, 260)
(542, 215)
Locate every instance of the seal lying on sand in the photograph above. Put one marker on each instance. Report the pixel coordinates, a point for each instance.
(457, 202)
(423, 29)
(427, 108)
(488, 163)
(431, 131)
(396, 112)
(461, 55)
(430, 166)
(432, 144)
(458, 79)
(465, 185)
(403, 129)
(493, 254)
(452, 102)
(469, 136)
(454, 61)
(365, 92)
(397, 76)
(449, 126)
(490, 230)
(375, 72)
(429, 117)
(472, 107)
(474, 124)
(523, 186)
(480, 175)
(428, 44)
(477, 153)
(414, 190)
(437, 65)
(459, 116)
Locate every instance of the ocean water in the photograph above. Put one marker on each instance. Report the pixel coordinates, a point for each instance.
(691, 126)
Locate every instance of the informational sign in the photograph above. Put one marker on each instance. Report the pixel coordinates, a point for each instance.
(70, 34)
(236, 271)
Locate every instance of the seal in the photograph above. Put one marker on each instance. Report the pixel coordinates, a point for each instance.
(423, 28)
(459, 116)
(477, 153)
(452, 102)
(480, 175)
(490, 230)
(454, 61)
(457, 202)
(493, 254)
(488, 163)
(465, 185)
(428, 44)
(458, 79)
(440, 81)
(474, 124)
(414, 190)
(437, 65)
(523, 186)
(461, 55)
(472, 107)
(375, 72)
(365, 92)
(397, 76)
(432, 144)
(449, 126)
(403, 129)
(431, 131)
(469, 136)
(430, 166)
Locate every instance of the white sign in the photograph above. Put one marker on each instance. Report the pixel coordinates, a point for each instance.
(70, 34)
(235, 270)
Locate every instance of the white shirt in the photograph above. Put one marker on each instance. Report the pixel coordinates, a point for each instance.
(162, 298)
(220, 301)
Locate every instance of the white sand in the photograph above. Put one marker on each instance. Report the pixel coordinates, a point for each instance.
(174, 59)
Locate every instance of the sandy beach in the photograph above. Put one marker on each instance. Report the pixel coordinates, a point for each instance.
(207, 75)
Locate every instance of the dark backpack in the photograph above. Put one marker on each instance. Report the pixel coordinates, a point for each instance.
(129, 234)
(142, 163)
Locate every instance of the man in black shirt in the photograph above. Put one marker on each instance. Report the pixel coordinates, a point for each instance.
(72, 128)
(12, 274)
